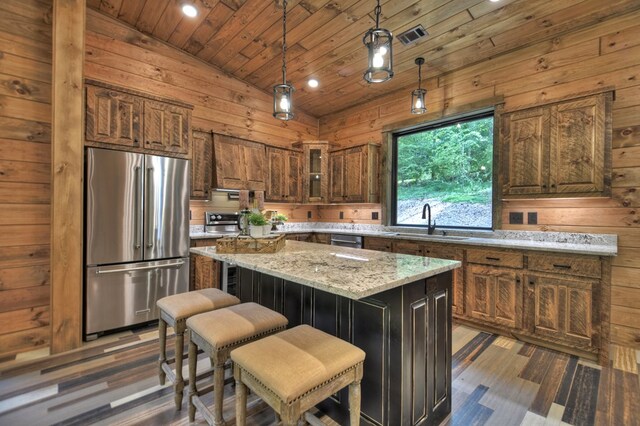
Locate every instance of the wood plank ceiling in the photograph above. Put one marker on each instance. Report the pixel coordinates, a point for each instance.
(324, 37)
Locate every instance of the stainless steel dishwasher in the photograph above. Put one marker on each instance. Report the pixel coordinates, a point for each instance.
(353, 241)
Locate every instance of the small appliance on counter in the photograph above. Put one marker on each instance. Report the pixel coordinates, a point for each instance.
(136, 236)
(224, 225)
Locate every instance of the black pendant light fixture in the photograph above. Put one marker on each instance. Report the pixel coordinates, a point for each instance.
(418, 105)
(379, 44)
(283, 93)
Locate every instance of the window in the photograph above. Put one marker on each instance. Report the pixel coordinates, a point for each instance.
(448, 165)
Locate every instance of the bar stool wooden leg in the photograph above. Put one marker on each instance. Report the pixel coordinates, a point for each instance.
(218, 390)
(241, 399)
(193, 367)
(354, 403)
(179, 383)
(162, 336)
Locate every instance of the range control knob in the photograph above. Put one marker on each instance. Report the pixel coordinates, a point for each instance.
(219, 217)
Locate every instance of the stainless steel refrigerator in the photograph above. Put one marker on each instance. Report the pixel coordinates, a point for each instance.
(136, 236)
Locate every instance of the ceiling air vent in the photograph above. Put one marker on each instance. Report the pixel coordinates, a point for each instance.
(411, 36)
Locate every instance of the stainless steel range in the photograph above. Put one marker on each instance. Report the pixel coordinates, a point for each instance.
(224, 225)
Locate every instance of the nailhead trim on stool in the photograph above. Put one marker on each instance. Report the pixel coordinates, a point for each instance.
(217, 333)
(295, 370)
(174, 312)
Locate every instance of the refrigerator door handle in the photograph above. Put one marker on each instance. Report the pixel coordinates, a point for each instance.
(138, 188)
(149, 236)
(140, 268)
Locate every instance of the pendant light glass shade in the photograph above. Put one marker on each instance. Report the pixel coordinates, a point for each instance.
(283, 93)
(418, 105)
(379, 43)
(282, 105)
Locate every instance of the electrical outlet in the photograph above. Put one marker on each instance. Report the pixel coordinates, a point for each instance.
(308, 215)
(374, 215)
(516, 218)
(341, 215)
(189, 214)
(532, 218)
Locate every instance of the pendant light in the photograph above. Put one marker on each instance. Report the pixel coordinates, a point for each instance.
(418, 105)
(282, 93)
(379, 43)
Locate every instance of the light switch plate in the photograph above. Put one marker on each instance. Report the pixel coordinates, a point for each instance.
(532, 218)
(516, 218)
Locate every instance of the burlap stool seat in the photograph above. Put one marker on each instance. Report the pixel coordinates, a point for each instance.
(174, 311)
(294, 370)
(217, 333)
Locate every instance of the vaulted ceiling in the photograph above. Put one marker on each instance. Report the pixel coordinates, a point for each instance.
(324, 37)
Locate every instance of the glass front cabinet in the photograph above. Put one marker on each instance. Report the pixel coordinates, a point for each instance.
(316, 171)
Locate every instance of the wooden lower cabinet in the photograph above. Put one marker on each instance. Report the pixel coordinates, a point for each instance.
(494, 295)
(379, 244)
(451, 253)
(561, 310)
(322, 238)
(300, 237)
(204, 271)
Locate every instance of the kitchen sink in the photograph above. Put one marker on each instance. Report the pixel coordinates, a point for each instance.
(427, 236)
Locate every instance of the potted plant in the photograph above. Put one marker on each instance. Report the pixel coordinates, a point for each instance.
(257, 221)
(277, 220)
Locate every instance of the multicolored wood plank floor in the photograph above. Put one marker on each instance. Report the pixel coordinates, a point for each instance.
(496, 381)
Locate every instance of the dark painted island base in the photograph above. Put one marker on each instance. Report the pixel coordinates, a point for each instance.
(405, 332)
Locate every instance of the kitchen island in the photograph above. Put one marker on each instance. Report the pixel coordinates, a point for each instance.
(395, 307)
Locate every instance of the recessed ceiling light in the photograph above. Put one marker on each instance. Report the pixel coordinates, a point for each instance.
(313, 82)
(494, 1)
(189, 10)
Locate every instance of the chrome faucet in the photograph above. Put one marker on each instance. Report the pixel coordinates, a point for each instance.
(430, 228)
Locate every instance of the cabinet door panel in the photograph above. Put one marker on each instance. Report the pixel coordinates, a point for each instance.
(562, 309)
(354, 175)
(112, 117)
(525, 163)
(254, 159)
(577, 146)
(337, 170)
(228, 173)
(166, 127)
(294, 177)
(275, 189)
(508, 300)
(479, 294)
(201, 164)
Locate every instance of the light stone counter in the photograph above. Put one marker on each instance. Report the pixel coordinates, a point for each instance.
(348, 272)
(561, 242)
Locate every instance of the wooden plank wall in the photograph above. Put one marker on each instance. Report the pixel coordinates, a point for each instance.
(605, 54)
(120, 55)
(25, 163)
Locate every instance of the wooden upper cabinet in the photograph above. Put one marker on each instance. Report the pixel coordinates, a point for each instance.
(284, 170)
(354, 175)
(239, 164)
(315, 171)
(136, 121)
(559, 149)
(112, 117)
(201, 164)
(166, 127)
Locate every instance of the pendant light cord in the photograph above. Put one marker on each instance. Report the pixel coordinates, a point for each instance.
(419, 76)
(284, 42)
(378, 11)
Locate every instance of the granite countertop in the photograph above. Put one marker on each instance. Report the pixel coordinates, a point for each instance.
(348, 272)
(561, 242)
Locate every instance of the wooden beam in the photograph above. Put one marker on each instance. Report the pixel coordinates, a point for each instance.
(66, 174)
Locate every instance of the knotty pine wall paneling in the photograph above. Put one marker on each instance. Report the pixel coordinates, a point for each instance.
(120, 55)
(599, 56)
(25, 174)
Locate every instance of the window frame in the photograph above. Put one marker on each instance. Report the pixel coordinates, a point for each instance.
(436, 124)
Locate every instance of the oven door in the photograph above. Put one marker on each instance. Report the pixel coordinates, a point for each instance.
(353, 241)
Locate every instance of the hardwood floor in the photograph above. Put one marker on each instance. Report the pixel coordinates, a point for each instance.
(496, 381)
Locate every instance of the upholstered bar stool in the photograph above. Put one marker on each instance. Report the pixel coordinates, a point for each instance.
(217, 333)
(294, 370)
(174, 311)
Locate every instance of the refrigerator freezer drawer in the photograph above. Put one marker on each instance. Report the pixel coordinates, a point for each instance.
(124, 295)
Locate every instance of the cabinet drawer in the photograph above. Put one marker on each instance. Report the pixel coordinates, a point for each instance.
(407, 247)
(442, 252)
(498, 258)
(380, 244)
(204, 242)
(570, 265)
